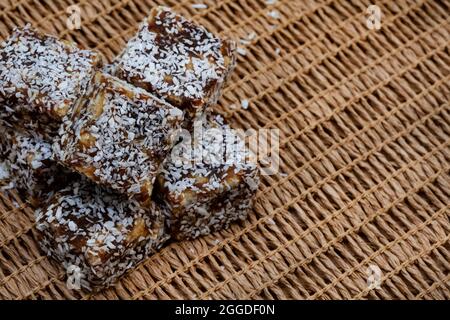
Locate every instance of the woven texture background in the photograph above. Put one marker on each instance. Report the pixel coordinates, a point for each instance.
(364, 118)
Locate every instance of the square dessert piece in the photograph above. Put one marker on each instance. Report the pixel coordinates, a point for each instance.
(42, 75)
(5, 175)
(178, 61)
(28, 122)
(28, 164)
(208, 183)
(98, 235)
(118, 137)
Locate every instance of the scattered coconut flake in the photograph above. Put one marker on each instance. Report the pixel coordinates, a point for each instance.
(120, 159)
(241, 51)
(199, 6)
(248, 40)
(277, 51)
(244, 104)
(271, 2)
(275, 14)
(251, 36)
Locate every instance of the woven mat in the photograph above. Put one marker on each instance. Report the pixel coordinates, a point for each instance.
(364, 183)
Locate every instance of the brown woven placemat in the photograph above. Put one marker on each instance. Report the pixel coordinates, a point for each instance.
(364, 183)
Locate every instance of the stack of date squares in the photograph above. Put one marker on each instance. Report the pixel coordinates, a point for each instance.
(119, 159)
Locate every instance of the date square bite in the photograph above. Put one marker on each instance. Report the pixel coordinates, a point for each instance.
(98, 235)
(178, 61)
(118, 137)
(42, 75)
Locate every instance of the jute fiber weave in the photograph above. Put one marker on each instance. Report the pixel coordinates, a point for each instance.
(363, 188)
